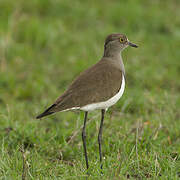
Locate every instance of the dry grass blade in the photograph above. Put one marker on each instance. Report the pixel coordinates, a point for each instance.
(25, 164)
(75, 133)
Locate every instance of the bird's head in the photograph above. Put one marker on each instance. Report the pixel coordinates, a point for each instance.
(116, 43)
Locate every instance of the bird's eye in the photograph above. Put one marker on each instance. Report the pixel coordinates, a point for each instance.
(121, 40)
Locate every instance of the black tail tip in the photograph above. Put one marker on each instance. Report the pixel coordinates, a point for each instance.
(46, 112)
(39, 116)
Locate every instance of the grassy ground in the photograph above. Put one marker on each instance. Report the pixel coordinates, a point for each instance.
(44, 44)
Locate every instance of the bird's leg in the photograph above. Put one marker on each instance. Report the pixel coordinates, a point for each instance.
(84, 139)
(100, 136)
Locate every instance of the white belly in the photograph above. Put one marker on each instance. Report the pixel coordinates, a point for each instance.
(108, 103)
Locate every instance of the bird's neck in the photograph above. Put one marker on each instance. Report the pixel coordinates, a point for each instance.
(116, 57)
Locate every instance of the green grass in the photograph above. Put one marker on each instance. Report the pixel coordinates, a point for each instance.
(44, 44)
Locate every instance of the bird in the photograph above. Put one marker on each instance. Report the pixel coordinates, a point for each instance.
(97, 88)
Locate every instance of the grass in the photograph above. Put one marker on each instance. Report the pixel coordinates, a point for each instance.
(44, 44)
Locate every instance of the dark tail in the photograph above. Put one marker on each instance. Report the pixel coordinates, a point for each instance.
(46, 112)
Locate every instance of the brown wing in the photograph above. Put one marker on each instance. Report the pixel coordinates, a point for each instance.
(98, 83)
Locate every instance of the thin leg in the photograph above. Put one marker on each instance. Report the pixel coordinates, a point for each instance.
(84, 139)
(100, 136)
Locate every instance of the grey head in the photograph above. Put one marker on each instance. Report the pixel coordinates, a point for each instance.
(115, 43)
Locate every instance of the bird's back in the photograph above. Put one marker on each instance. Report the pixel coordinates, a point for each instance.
(97, 84)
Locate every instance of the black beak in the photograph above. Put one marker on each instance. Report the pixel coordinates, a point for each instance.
(132, 45)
